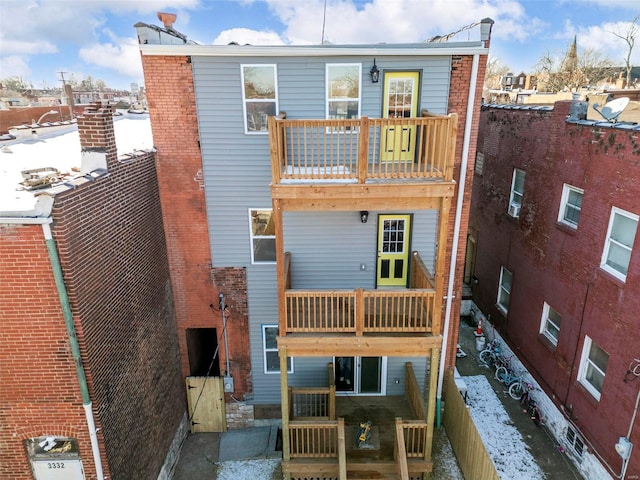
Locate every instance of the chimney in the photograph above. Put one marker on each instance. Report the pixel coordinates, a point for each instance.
(97, 137)
(167, 19)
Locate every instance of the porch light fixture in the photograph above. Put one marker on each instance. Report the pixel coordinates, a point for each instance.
(364, 216)
(375, 73)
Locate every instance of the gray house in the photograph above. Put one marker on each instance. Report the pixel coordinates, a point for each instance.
(316, 217)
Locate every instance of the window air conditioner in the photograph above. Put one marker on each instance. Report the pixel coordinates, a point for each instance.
(514, 210)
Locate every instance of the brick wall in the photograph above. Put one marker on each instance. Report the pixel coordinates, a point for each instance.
(39, 393)
(16, 116)
(112, 249)
(558, 265)
(461, 70)
(171, 99)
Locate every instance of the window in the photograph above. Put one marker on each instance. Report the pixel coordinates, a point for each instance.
(593, 367)
(620, 238)
(263, 236)
(479, 167)
(259, 95)
(575, 443)
(504, 292)
(343, 91)
(270, 349)
(550, 325)
(517, 190)
(570, 205)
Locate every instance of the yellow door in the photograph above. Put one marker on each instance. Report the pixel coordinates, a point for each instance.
(400, 101)
(393, 250)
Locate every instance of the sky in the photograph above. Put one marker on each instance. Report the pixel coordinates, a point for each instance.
(41, 38)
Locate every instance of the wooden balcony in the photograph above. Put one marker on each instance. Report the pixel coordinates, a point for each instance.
(326, 447)
(359, 312)
(363, 150)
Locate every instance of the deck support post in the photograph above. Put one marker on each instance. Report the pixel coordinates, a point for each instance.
(284, 399)
(431, 400)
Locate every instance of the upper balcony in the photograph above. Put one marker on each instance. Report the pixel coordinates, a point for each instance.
(366, 156)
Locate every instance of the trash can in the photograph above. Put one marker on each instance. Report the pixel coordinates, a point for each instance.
(480, 343)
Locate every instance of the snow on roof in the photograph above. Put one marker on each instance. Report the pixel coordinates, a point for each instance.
(59, 150)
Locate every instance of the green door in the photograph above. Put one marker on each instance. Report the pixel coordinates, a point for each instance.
(394, 232)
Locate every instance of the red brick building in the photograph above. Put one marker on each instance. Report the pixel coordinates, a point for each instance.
(91, 385)
(555, 258)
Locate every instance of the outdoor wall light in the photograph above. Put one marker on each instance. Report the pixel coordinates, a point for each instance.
(364, 216)
(375, 73)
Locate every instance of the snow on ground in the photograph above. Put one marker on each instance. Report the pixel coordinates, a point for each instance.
(248, 469)
(503, 441)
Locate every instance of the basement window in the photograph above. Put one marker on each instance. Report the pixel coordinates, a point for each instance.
(574, 442)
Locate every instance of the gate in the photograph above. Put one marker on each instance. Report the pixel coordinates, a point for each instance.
(205, 400)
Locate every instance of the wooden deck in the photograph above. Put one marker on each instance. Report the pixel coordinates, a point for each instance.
(382, 413)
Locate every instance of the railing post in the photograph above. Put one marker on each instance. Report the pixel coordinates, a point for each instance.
(274, 146)
(332, 402)
(359, 311)
(401, 451)
(363, 149)
(342, 451)
(451, 147)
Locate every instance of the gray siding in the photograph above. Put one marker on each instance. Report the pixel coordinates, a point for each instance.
(328, 247)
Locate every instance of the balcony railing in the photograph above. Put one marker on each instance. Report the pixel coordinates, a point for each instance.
(361, 311)
(364, 149)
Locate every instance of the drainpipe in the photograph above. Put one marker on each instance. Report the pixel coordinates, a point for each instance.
(73, 341)
(456, 228)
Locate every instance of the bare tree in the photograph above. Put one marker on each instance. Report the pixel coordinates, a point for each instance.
(495, 70)
(570, 72)
(630, 38)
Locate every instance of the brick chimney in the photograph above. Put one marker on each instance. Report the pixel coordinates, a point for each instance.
(97, 137)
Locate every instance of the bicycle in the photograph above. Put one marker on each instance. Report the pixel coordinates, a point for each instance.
(507, 377)
(520, 390)
(530, 406)
(490, 354)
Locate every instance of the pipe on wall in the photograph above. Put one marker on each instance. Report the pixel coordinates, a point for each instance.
(456, 228)
(73, 342)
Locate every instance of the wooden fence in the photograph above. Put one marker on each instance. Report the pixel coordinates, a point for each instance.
(465, 440)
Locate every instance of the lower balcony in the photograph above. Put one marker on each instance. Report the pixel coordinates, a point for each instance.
(334, 437)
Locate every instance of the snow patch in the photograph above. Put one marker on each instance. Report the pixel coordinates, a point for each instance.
(503, 441)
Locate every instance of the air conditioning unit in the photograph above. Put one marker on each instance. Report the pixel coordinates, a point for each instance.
(514, 210)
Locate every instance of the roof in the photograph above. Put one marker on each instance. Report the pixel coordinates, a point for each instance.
(58, 151)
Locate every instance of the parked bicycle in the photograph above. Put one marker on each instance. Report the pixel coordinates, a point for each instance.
(507, 377)
(530, 406)
(489, 356)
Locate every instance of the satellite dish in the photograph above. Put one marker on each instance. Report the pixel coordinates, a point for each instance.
(612, 110)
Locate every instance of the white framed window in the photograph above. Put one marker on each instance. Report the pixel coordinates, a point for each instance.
(550, 324)
(270, 350)
(570, 205)
(343, 90)
(574, 442)
(262, 232)
(504, 290)
(617, 247)
(593, 367)
(479, 166)
(517, 191)
(259, 96)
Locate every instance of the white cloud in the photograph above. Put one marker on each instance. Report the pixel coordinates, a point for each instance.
(14, 66)
(245, 35)
(122, 56)
(601, 38)
(388, 21)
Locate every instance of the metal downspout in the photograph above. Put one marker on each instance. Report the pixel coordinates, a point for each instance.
(456, 229)
(75, 348)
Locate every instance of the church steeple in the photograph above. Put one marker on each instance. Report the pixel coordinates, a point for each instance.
(570, 63)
